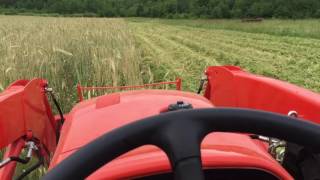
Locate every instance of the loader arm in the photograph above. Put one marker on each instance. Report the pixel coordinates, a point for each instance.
(230, 86)
(25, 116)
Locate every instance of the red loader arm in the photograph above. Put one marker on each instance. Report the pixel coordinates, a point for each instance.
(229, 86)
(25, 114)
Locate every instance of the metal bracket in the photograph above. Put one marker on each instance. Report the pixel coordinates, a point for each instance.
(277, 147)
(31, 146)
(202, 81)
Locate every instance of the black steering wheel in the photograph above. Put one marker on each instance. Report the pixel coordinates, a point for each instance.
(179, 135)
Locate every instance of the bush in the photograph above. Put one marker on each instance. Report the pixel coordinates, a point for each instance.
(90, 14)
(10, 12)
(50, 15)
(317, 14)
(169, 16)
(182, 16)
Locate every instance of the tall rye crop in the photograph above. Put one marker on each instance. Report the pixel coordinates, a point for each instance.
(100, 51)
(67, 51)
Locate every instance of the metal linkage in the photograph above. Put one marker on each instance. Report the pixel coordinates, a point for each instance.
(293, 114)
(30, 148)
(33, 167)
(277, 147)
(202, 81)
(5, 162)
(262, 138)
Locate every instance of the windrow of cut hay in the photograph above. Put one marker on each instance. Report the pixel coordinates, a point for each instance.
(186, 50)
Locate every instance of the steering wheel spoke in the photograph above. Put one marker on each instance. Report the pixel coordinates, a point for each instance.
(182, 143)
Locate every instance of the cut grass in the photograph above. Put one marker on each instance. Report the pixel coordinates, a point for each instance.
(185, 48)
(309, 28)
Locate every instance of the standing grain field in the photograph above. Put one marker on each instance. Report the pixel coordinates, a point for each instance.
(67, 51)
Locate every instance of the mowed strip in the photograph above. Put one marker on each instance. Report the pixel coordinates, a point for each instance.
(186, 51)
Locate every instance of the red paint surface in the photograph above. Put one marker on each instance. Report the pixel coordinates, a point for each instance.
(14, 149)
(90, 119)
(24, 106)
(80, 89)
(229, 86)
(24, 110)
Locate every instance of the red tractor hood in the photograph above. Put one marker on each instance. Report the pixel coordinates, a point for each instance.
(90, 119)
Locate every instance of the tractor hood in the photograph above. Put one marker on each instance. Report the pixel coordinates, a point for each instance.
(92, 118)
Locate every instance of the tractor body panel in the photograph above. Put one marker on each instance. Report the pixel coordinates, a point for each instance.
(230, 86)
(26, 115)
(92, 118)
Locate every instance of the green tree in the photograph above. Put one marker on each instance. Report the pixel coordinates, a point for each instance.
(261, 9)
(177, 8)
(183, 6)
(140, 10)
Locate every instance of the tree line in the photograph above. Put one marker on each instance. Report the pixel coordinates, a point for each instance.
(172, 8)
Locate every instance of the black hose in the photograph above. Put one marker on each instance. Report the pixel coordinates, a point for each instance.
(20, 160)
(32, 168)
(56, 103)
(202, 81)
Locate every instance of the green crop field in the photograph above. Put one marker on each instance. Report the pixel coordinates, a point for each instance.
(286, 50)
(101, 51)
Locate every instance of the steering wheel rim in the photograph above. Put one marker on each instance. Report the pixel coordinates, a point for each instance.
(179, 134)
